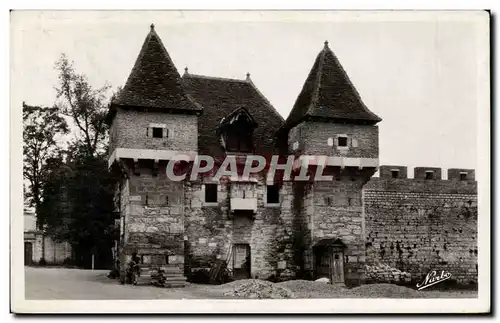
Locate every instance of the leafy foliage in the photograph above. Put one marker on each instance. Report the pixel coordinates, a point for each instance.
(86, 105)
(76, 190)
(78, 206)
(40, 129)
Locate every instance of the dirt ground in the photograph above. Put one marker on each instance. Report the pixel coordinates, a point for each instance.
(63, 283)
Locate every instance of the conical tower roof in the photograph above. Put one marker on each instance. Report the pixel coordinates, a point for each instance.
(154, 81)
(329, 94)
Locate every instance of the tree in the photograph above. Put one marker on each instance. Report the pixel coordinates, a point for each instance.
(78, 204)
(86, 105)
(40, 129)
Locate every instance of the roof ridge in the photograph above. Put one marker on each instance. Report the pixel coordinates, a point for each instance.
(154, 80)
(356, 92)
(315, 96)
(214, 78)
(329, 93)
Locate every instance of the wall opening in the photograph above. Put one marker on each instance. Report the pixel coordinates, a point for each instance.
(429, 174)
(28, 253)
(241, 261)
(273, 194)
(157, 132)
(211, 193)
(342, 141)
(395, 173)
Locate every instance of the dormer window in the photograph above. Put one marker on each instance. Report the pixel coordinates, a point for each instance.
(236, 131)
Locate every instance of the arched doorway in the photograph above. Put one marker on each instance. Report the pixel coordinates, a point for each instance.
(329, 260)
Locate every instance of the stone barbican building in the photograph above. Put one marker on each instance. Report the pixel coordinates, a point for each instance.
(264, 228)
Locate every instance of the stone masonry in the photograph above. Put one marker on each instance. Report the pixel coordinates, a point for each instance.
(419, 225)
(347, 223)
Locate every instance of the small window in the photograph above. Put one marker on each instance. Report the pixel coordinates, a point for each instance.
(463, 176)
(395, 173)
(211, 193)
(167, 201)
(273, 194)
(429, 175)
(157, 132)
(328, 201)
(342, 141)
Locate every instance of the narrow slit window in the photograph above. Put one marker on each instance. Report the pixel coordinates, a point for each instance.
(211, 193)
(273, 194)
(157, 132)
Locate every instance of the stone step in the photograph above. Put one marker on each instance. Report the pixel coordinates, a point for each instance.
(174, 285)
(176, 280)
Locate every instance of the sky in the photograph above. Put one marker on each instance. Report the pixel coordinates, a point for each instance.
(419, 72)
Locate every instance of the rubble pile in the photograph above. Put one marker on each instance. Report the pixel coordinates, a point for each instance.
(311, 289)
(258, 289)
(382, 273)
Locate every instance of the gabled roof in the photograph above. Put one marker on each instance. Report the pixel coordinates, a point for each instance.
(238, 115)
(329, 94)
(222, 96)
(154, 81)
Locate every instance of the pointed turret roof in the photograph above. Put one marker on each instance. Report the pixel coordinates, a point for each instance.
(329, 94)
(154, 81)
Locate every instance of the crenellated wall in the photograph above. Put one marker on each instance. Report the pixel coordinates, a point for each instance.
(418, 224)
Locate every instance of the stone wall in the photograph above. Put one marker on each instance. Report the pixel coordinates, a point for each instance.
(55, 252)
(362, 140)
(212, 229)
(338, 215)
(418, 225)
(153, 214)
(130, 130)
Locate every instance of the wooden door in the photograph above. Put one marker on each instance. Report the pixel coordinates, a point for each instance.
(241, 261)
(337, 267)
(28, 253)
(330, 264)
(323, 264)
